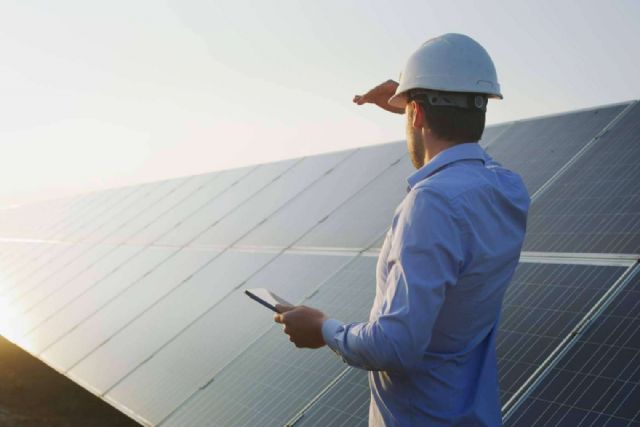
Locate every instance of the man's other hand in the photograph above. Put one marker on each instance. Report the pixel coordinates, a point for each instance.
(303, 325)
(380, 95)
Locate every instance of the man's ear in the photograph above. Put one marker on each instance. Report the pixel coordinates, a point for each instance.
(418, 115)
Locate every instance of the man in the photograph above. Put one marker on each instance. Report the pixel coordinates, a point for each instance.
(453, 246)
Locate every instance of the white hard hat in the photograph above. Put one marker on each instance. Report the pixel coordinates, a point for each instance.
(451, 63)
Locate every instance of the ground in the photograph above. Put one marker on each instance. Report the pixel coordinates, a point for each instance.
(34, 395)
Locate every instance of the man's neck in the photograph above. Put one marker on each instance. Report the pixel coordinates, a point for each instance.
(434, 146)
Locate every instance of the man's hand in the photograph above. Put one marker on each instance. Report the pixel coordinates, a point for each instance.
(379, 95)
(303, 325)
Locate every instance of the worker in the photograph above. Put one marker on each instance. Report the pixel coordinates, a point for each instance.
(446, 261)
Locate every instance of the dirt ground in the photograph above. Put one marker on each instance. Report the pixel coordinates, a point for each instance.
(34, 395)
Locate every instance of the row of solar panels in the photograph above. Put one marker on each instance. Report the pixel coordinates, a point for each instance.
(279, 204)
(136, 293)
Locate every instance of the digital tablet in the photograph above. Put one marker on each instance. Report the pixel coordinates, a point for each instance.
(266, 298)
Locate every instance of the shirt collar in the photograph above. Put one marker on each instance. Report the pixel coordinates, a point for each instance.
(465, 151)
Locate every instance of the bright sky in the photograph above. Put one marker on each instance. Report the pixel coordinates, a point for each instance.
(101, 94)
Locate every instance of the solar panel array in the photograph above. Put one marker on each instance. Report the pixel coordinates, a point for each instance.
(136, 293)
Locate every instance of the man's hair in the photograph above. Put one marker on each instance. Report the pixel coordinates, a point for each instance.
(452, 123)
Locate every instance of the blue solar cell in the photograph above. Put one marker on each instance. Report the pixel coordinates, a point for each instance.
(538, 148)
(597, 382)
(272, 380)
(542, 305)
(595, 205)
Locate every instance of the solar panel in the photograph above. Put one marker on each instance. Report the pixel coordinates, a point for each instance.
(597, 381)
(16, 252)
(130, 291)
(76, 260)
(366, 216)
(190, 205)
(155, 391)
(45, 299)
(537, 149)
(270, 199)
(36, 263)
(149, 201)
(345, 405)
(106, 321)
(85, 297)
(48, 258)
(491, 133)
(264, 386)
(169, 201)
(320, 199)
(543, 303)
(112, 217)
(595, 205)
(107, 365)
(28, 222)
(58, 263)
(190, 228)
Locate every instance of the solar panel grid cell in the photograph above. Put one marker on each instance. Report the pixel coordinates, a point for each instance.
(366, 215)
(189, 206)
(89, 297)
(105, 320)
(597, 381)
(537, 149)
(535, 319)
(543, 303)
(320, 199)
(345, 405)
(223, 204)
(48, 257)
(595, 205)
(155, 391)
(272, 380)
(106, 365)
(271, 199)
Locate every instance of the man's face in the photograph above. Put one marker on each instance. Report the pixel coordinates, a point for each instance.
(415, 143)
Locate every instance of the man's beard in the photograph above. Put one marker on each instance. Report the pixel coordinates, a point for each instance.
(415, 146)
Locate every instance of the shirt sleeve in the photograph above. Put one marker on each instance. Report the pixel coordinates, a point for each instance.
(425, 258)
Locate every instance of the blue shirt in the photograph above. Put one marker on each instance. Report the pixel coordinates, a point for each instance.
(445, 264)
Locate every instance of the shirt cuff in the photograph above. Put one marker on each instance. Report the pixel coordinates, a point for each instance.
(329, 329)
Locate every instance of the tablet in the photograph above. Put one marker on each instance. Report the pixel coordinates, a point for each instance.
(266, 298)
